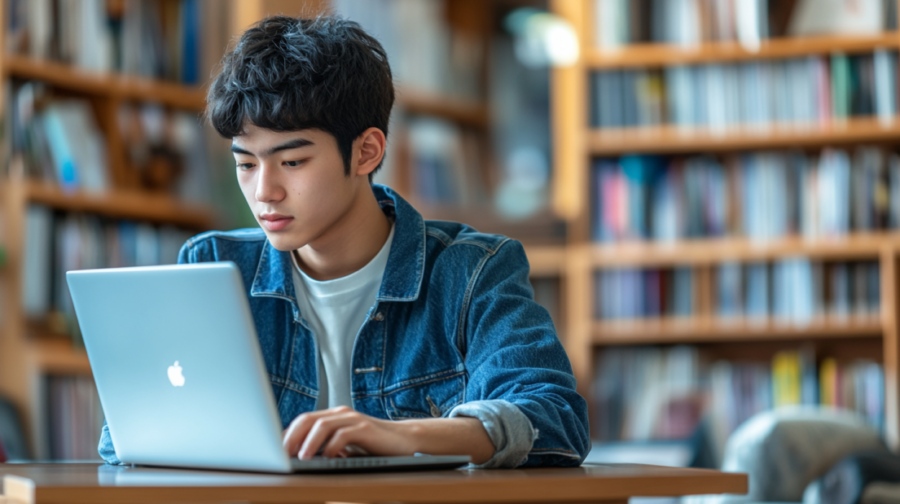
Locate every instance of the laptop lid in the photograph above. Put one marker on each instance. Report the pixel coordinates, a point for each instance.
(178, 367)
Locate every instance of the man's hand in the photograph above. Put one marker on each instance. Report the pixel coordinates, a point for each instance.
(333, 430)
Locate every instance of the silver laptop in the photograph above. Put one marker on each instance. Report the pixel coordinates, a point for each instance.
(181, 376)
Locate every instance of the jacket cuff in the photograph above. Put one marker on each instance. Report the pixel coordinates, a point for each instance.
(106, 449)
(510, 430)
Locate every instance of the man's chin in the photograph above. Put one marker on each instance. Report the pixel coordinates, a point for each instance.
(284, 243)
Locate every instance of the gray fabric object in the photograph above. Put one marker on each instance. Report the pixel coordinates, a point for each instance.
(849, 480)
(786, 449)
(881, 493)
(509, 429)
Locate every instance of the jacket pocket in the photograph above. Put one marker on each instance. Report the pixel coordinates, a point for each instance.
(429, 397)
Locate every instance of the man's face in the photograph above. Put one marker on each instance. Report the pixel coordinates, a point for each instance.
(294, 183)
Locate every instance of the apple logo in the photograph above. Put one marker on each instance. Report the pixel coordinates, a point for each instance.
(175, 375)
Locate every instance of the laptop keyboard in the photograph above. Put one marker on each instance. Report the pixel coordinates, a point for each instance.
(340, 463)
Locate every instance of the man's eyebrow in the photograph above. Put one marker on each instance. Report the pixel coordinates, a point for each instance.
(290, 144)
(239, 150)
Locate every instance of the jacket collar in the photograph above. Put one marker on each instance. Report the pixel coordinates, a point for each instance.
(402, 276)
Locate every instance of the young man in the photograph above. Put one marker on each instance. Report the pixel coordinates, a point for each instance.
(366, 314)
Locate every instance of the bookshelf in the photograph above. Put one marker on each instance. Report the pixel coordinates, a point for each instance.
(872, 336)
(30, 351)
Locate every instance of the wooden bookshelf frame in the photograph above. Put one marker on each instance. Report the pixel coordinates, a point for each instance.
(127, 204)
(469, 113)
(122, 87)
(667, 331)
(673, 139)
(55, 355)
(713, 251)
(576, 143)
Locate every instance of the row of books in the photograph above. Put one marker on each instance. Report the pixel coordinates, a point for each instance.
(59, 242)
(688, 22)
(652, 393)
(178, 40)
(630, 293)
(426, 54)
(794, 290)
(798, 290)
(58, 140)
(801, 91)
(758, 195)
(74, 417)
(684, 22)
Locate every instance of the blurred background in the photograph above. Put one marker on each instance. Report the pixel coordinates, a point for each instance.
(708, 190)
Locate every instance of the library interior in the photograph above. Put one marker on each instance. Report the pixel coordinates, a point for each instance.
(707, 191)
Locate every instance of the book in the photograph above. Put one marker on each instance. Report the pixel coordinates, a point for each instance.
(74, 417)
(764, 196)
(76, 146)
(856, 17)
(618, 23)
(800, 92)
(164, 40)
(650, 393)
(629, 294)
(37, 255)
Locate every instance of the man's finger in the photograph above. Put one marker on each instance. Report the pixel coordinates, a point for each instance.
(322, 429)
(297, 431)
(300, 427)
(352, 434)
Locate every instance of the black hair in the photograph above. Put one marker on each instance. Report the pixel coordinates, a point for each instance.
(288, 74)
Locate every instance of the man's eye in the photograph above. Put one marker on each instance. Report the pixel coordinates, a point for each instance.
(294, 163)
(245, 166)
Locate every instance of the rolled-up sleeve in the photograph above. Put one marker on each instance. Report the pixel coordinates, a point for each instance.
(510, 430)
(106, 449)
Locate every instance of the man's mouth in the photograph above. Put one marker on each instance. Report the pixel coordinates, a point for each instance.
(274, 221)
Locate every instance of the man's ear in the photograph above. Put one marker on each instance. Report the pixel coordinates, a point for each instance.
(368, 151)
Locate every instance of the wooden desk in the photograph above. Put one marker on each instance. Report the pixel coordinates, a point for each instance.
(98, 484)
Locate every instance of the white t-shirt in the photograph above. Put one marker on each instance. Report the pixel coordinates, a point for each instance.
(335, 311)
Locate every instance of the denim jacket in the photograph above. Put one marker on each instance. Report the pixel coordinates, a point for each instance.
(454, 331)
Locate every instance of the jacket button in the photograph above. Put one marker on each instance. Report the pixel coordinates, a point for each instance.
(379, 317)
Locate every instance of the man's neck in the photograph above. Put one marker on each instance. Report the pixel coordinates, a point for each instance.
(348, 245)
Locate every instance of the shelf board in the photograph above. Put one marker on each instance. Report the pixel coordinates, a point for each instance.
(56, 355)
(460, 110)
(125, 87)
(539, 229)
(673, 139)
(546, 261)
(644, 55)
(718, 250)
(122, 205)
(697, 330)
